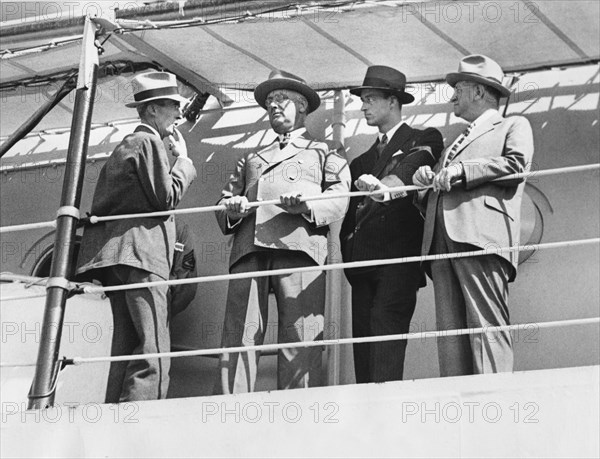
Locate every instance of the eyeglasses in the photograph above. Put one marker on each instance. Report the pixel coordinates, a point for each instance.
(460, 89)
(277, 98)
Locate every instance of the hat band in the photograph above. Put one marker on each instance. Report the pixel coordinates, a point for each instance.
(495, 80)
(155, 93)
(379, 82)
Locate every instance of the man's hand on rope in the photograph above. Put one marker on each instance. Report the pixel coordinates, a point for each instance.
(292, 203)
(237, 207)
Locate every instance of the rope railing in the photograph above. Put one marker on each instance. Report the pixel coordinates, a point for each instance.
(194, 210)
(324, 342)
(346, 265)
(79, 288)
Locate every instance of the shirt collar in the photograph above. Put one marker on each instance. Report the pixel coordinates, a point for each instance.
(154, 131)
(293, 134)
(391, 132)
(484, 117)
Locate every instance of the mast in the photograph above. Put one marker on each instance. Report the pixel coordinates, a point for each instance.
(42, 390)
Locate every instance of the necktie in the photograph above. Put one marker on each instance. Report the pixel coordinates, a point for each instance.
(381, 145)
(457, 143)
(284, 142)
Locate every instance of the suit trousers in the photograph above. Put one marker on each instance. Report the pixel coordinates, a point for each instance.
(383, 303)
(140, 321)
(300, 305)
(470, 292)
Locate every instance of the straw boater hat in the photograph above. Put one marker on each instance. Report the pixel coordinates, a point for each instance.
(278, 79)
(385, 79)
(154, 85)
(480, 69)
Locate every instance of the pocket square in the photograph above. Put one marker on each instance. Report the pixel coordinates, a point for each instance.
(399, 152)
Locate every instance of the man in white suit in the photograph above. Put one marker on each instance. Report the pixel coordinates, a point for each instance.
(291, 235)
(467, 210)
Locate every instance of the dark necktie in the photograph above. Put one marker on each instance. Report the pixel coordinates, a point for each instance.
(284, 142)
(459, 141)
(381, 145)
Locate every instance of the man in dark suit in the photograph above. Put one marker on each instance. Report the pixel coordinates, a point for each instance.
(291, 235)
(386, 226)
(476, 214)
(138, 178)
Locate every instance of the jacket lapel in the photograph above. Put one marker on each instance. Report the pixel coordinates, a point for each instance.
(480, 129)
(274, 156)
(402, 136)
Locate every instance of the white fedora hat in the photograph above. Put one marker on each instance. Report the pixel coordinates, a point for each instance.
(154, 85)
(480, 69)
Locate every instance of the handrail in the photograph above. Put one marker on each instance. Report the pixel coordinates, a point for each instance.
(95, 219)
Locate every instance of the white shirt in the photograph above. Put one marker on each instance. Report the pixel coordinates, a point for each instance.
(293, 134)
(480, 119)
(387, 196)
(389, 134)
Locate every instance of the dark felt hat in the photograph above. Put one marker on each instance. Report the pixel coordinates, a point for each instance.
(385, 79)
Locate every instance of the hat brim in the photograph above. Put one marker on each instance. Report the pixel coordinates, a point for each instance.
(182, 100)
(263, 89)
(403, 96)
(453, 78)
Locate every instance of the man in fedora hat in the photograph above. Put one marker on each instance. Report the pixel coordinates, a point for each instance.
(385, 226)
(466, 211)
(137, 178)
(290, 235)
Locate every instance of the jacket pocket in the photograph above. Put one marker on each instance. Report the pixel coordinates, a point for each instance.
(495, 204)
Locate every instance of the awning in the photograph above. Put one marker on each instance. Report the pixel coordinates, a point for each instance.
(328, 44)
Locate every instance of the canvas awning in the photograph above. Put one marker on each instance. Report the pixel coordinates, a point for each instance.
(329, 44)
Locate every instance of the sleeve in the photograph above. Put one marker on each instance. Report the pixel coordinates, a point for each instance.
(356, 170)
(164, 187)
(236, 186)
(426, 152)
(516, 158)
(336, 179)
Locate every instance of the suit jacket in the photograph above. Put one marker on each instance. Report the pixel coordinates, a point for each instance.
(304, 165)
(481, 213)
(136, 178)
(374, 230)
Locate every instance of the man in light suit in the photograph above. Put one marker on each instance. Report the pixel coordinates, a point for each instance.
(291, 235)
(138, 178)
(476, 214)
(386, 226)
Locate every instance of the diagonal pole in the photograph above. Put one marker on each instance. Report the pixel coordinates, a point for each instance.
(41, 394)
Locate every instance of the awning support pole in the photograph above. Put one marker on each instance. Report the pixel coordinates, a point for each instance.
(43, 387)
(338, 295)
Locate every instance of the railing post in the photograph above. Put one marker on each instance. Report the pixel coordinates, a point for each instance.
(46, 372)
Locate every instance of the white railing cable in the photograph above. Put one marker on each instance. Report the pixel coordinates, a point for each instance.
(334, 266)
(195, 210)
(79, 288)
(325, 342)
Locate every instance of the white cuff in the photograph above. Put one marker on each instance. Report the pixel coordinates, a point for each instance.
(233, 225)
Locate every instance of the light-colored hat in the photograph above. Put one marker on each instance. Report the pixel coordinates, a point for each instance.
(154, 85)
(385, 79)
(278, 79)
(481, 69)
